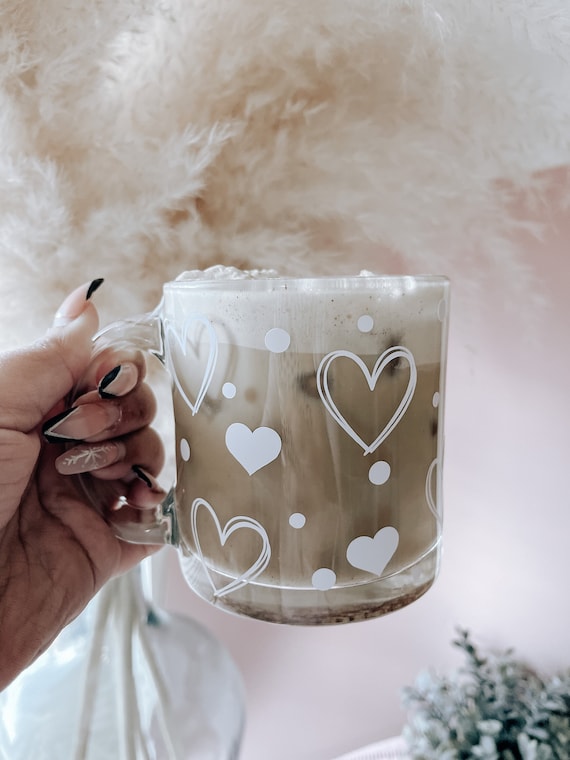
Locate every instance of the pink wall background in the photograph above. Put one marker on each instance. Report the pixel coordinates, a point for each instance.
(314, 694)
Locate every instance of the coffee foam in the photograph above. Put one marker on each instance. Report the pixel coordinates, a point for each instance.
(220, 272)
(364, 314)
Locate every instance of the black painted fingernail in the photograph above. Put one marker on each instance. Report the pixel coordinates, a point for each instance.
(142, 475)
(74, 305)
(118, 381)
(148, 480)
(51, 425)
(81, 422)
(95, 285)
(106, 381)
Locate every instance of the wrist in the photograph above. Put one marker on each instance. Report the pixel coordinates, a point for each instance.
(27, 625)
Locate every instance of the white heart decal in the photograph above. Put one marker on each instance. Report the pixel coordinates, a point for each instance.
(172, 337)
(373, 554)
(235, 523)
(252, 449)
(396, 352)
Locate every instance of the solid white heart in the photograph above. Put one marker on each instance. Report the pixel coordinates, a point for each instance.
(173, 338)
(234, 524)
(373, 554)
(253, 449)
(390, 355)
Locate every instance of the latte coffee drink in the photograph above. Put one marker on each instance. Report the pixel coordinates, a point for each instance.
(309, 436)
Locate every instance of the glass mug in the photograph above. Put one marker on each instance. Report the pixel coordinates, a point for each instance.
(308, 419)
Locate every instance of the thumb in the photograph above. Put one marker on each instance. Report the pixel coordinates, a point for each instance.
(34, 379)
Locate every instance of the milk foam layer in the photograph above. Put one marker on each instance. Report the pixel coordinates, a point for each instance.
(220, 272)
(319, 314)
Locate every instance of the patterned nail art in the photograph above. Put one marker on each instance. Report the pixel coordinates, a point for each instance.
(95, 285)
(119, 381)
(74, 305)
(88, 458)
(81, 422)
(50, 428)
(147, 479)
(142, 475)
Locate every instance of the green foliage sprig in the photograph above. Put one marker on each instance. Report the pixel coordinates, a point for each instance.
(494, 708)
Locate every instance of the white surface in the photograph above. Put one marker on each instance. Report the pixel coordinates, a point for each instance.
(314, 694)
(390, 749)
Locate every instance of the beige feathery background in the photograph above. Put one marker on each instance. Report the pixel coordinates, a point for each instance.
(139, 139)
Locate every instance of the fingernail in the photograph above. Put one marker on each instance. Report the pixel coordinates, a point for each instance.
(144, 491)
(119, 381)
(89, 458)
(81, 422)
(95, 285)
(74, 304)
(147, 479)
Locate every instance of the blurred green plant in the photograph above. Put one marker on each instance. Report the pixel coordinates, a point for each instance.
(493, 708)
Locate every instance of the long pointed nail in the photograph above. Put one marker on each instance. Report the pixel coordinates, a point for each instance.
(81, 422)
(119, 381)
(95, 285)
(74, 304)
(89, 458)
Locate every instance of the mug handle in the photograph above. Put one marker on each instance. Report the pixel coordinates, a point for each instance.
(130, 522)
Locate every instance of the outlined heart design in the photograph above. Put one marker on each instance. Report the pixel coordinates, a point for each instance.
(253, 449)
(391, 354)
(431, 501)
(373, 554)
(234, 524)
(172, 336)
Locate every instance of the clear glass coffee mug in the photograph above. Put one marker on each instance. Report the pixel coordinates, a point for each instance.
(308, 419)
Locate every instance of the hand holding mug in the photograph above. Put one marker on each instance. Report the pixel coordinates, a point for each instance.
(55, 550)
(308, 427)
